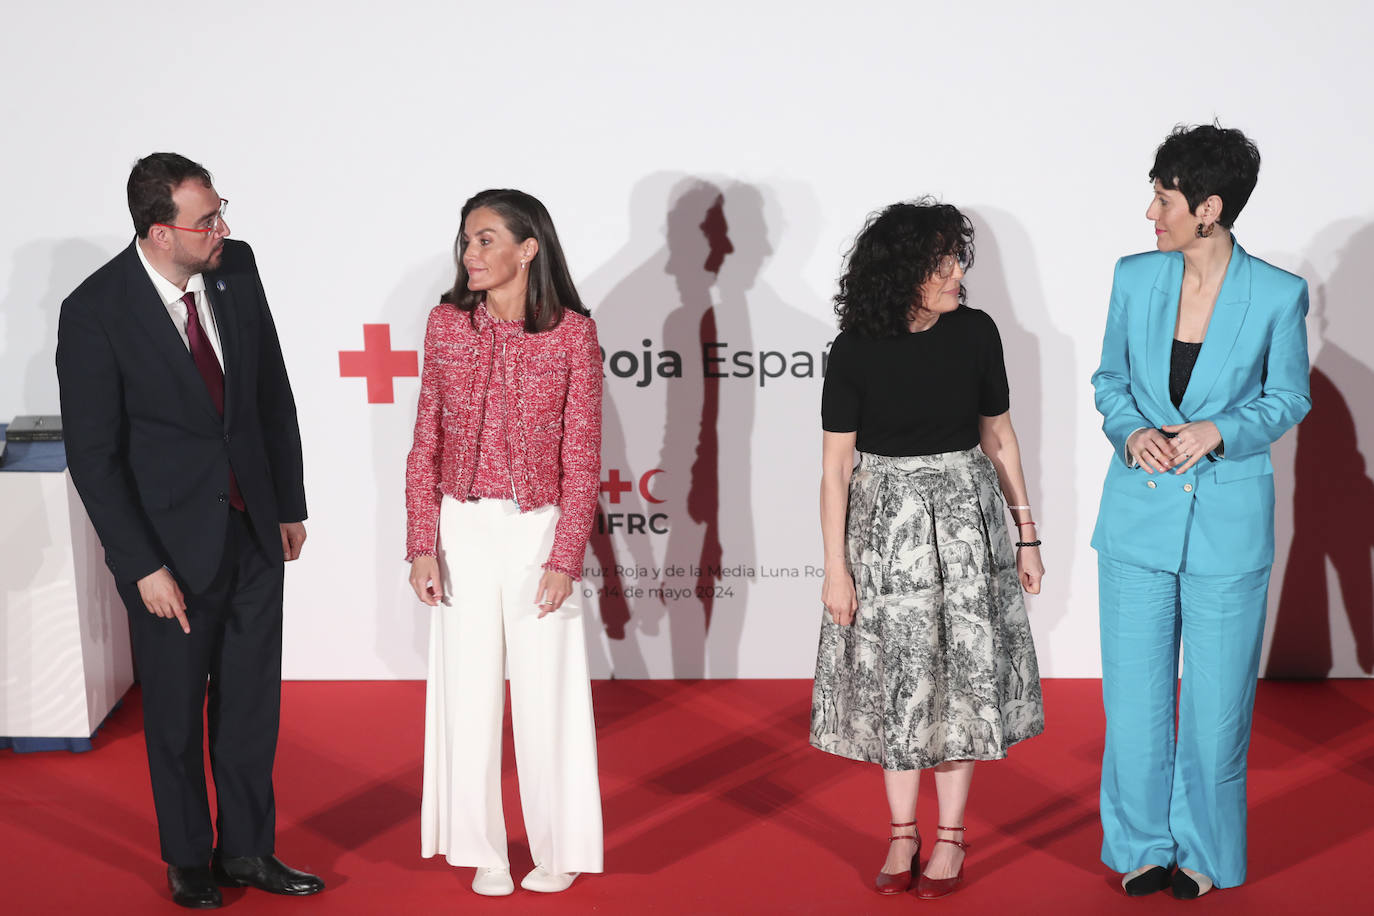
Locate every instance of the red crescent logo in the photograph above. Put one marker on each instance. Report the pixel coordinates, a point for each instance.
(644, 486)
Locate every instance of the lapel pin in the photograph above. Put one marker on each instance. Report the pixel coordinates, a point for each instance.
(219, 285)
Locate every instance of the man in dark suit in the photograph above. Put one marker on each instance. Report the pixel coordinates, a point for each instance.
(182, 440)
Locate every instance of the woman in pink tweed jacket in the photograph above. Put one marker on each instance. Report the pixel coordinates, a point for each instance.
(553, 425)
(501, 488)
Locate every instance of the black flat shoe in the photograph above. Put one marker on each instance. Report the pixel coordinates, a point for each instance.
(1189, 885)
(193, 887)
(266, 873)
(1147, 880)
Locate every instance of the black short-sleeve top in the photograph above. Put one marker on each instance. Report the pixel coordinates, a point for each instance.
(918, 394)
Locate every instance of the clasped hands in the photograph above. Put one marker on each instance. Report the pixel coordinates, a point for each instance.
(1155, 451)
(554, 587)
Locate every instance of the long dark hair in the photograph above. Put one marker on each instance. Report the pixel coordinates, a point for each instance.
(898, 250)
(549, 289)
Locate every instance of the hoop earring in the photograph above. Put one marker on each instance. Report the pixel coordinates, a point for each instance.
(1205, 231)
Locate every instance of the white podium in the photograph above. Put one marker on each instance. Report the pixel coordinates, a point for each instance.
(65, 659)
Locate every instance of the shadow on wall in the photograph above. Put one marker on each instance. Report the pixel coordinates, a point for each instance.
(44, 274)
(717, 244)
(1333, 495)
(1004, 282)
(640, 284)
(702, 289)
(699, 243)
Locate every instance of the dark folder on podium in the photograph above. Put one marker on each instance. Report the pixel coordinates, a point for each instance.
(35, 428)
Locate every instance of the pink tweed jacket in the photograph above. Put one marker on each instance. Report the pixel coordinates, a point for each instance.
(553, 390)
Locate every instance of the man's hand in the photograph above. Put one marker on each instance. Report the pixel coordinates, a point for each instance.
(162, 596)
(292, 537)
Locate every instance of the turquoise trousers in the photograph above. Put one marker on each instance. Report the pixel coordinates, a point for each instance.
(1168, 799)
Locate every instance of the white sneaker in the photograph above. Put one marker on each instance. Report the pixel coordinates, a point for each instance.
(493, 882)
(548, 882)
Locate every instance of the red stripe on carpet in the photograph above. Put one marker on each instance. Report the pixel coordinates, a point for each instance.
(714, 803)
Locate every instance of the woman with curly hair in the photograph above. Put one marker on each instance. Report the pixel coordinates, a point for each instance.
(1204, 365)
(925, 659)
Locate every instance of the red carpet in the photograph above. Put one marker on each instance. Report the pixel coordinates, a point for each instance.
(713, 804)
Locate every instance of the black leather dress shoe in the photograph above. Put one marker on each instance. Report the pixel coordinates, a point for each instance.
(266, 873)
(193, 887)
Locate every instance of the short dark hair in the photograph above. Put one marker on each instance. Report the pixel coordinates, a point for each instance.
(898, 249)
(151, 183)
(549, 288)
(1209, 159)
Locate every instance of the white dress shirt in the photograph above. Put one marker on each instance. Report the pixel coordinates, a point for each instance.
(176, 309)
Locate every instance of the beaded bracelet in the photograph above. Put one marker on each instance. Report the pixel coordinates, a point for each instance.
(1034, 543)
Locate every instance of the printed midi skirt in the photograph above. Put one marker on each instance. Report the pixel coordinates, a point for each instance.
(938, 664)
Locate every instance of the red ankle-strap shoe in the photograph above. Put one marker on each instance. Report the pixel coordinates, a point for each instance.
(901, 882)
(929, 888)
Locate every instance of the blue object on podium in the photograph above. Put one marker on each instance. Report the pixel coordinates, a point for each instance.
(33, 456)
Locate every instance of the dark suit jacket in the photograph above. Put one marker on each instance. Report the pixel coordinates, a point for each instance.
(146, 448)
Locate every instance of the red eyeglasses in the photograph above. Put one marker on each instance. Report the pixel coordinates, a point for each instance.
(215, 221)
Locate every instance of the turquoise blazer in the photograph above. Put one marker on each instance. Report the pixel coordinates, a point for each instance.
(1251, 380)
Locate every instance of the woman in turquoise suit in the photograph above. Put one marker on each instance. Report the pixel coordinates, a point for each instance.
(1204, 365)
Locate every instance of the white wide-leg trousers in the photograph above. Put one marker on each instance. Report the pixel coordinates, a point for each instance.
(491, 556)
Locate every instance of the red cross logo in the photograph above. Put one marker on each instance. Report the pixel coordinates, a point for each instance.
(378, 363)
(615, 486)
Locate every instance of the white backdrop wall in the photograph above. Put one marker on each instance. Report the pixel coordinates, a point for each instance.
(348, 134)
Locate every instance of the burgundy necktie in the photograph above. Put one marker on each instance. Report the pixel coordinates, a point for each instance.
(208, 366)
